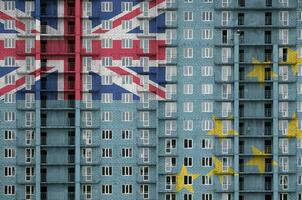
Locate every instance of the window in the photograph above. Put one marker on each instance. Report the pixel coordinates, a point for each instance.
(188, 143)
(207, 52)
(206, 196)
(207, 143)
(126, 43)
(106, 116)
(207, 34)
(171, 17)
(284, 182)
(188, 161)
(206, 70)
(188, 16)
(9, 43)
(106, 153)
(206, 125)
(9, 116)
(171, 72)
(188, 52)
(87, 118)
(9, 5)
(188, 88)
(188, 70)
(206, 89)
(126, 24)
(170, 144)
(126, 171)
(284, 145)
(87, 173)
(106, 7)
(144, 154)
(127, 116)
(29, 137)
(206, 180)
(144, 118)
(207, 107)
(188, 180)
(127, 189)
(188, 34)
(106, 97)
(87, 44)
(225, 54)
(9, 153)
(170, 127)
(207, 16)
(126, 152)
(10, 98)
(106, 171)
(169, 163)
(106, 189)
(87, 137)
(188, 106)
(188, 125)
(127, 6)
(127, 61)
(283, 36)
(9, 171)
(206, 162)
(284, 164)
(126, 134)
(9, 61)
(226, 73)
(127, 79)
(225, 18)
(9, 24)
(29, 119)
(226, 146)
(283, 18)
(226, 109)
(107, 24)
(9, 135)
(9, 190)
(87, 9)
(240, 18)
(144, 190)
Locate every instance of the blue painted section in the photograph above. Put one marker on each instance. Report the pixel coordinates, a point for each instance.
(6, 70)
(156, 24)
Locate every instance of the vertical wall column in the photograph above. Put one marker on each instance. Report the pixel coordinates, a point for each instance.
(77, 99)
(37, 107)
(275, 122)
(236, 115)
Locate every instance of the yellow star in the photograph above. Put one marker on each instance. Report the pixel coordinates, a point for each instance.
(180, 180)
(293, 60)
(259, 159)
(218, 129)
(219, 171)
(259, 71)
(293, 128)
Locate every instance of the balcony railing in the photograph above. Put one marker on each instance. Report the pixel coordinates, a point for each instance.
(268, 149)
(70, 158)
(71, 196)
(43, 195)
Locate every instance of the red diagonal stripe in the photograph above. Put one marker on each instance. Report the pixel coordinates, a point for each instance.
(19, 24)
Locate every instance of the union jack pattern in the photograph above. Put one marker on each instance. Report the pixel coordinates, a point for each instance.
(47, 63)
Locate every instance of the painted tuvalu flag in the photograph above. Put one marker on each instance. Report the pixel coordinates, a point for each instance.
(123, 49)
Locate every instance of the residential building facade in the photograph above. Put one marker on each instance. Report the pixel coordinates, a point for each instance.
(151, 99)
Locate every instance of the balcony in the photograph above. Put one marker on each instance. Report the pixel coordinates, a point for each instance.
(268, 186)
(71, 159)
(268, 149)
(70, 195)
(71, 177)
(268, 112)
(43, 195)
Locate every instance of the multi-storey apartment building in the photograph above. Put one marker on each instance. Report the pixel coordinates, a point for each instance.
(151, 99)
